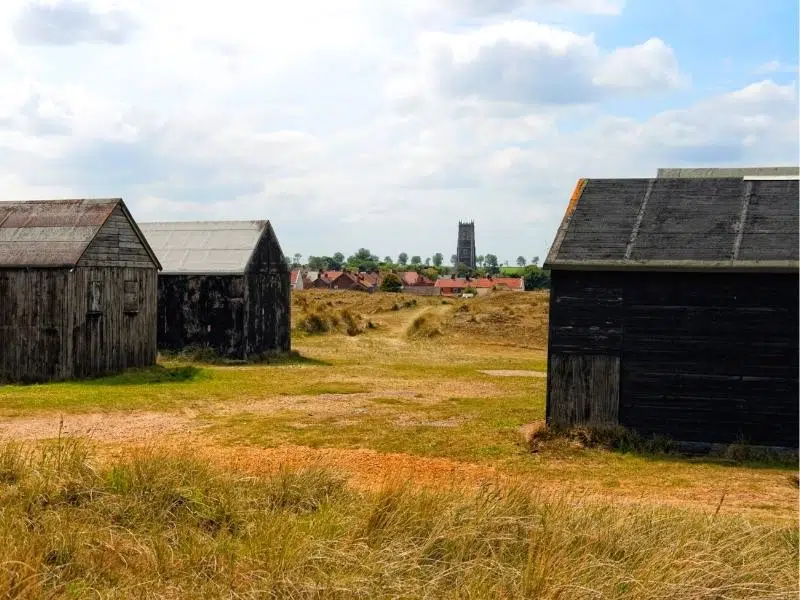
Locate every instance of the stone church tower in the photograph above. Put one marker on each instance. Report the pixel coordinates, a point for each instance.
(465, 253)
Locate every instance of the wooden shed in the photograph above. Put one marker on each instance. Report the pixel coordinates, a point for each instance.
(674, 309)
(77, 290)
(224, 286)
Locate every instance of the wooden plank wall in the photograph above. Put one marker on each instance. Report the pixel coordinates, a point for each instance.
(111, 340)
(47, 331)
(585, 390)
(712, 357)
(32, 328)
(268, 313)
(202, 311)
(116, 244)
(703, 357)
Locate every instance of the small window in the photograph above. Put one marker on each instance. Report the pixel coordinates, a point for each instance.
(95, 298)
(131, 301)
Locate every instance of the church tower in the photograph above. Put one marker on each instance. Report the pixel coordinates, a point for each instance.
(465, 253)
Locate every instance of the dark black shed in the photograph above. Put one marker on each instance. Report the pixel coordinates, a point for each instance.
(224, 286)
(674, 309)
(77, 290)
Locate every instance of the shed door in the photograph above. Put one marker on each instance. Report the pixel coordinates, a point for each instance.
(584, 390)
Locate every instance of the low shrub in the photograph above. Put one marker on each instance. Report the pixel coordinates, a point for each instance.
(617, 438)
(425, 326)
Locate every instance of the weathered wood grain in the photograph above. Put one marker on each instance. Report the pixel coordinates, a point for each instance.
(585, 390)
(709, 357)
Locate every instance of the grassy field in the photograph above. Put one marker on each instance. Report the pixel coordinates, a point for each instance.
(396, 444)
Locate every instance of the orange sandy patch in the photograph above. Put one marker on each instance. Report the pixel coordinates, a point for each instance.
(112, 426)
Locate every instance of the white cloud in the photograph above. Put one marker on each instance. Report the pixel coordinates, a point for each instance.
(651, 66)
(531, 63)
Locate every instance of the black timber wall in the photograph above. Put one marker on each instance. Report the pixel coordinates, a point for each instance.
(202, 311)
(237, 316)
(269, 297)
(707, 357)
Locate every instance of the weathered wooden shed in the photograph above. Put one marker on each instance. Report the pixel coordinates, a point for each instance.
(224, 286)
(674, 309)
(77, 290)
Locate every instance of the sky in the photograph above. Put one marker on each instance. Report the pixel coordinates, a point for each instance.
(382, 123)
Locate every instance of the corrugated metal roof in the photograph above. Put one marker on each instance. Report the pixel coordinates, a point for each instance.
(679, 224)
(50, 233)
(204, 247)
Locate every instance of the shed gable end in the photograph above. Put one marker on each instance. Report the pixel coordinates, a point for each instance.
(267, 256)
(116, 244)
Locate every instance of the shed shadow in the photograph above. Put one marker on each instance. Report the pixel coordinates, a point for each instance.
(150, 376)
(209, 356)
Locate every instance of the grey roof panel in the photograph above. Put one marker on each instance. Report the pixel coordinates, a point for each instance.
(204, 247)
(50, 233)
(682, 223)
(717, 172)
(602, 227)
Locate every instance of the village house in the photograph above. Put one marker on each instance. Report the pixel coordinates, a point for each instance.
(345, 280)
(77, 290)
(416, 283)
(297, 279)
(455, 286)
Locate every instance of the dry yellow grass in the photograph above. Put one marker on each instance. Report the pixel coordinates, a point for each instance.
(151, 524)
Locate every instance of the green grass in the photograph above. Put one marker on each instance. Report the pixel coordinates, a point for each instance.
(155, 526)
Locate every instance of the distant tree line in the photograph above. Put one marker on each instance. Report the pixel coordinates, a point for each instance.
(432, 267)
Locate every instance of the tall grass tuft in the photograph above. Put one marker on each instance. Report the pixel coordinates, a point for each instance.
(425, 326)
(154, 525)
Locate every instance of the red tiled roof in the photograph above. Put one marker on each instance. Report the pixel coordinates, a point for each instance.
(294, 277)
(414, 278)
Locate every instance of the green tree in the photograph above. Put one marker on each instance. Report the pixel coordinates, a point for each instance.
(479, 259)
(363, 260)
(536, 278)
(428, 262)
(535, 261)
(391, 283)
(521, 261)
(297, 259)
(332, 263)
(317, 263)
(387, 260)
(339, 257)
(438, 259)
(402, 259)
(416, 260)
(454, 260)
(462, 270)
(490, 260)
(431, 273)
